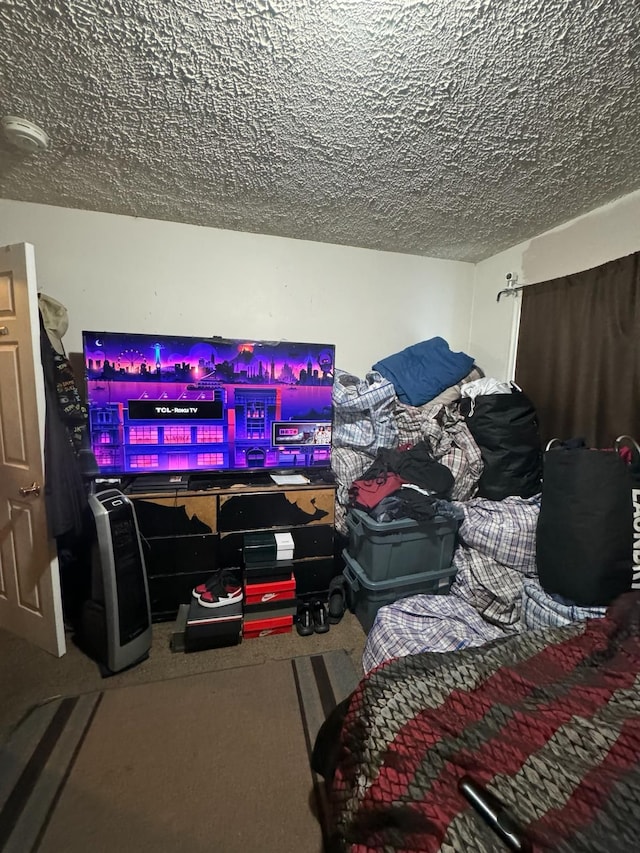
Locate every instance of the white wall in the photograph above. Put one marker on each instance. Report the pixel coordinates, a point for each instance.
(138, 275)
(604, 234)
(118, 273)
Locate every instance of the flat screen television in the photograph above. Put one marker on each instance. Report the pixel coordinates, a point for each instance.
(161, 404)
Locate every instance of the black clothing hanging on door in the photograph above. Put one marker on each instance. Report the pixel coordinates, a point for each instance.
(65, 492)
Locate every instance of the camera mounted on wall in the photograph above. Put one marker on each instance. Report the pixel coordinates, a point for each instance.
(511, 288)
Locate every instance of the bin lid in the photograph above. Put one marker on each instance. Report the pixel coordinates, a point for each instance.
(392, 583)
(399, 523)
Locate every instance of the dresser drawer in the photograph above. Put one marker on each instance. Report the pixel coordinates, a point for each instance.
(167, 593)
(180, 554)
(284, 508)
(175, 516)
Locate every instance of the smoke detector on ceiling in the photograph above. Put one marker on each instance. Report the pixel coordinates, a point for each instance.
(24, 134)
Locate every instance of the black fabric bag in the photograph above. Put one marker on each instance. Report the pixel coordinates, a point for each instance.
(584, 536)
(505, 428)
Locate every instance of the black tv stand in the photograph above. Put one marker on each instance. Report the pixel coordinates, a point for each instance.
(188, 534)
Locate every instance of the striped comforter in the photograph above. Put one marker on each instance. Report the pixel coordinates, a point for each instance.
(548, 720)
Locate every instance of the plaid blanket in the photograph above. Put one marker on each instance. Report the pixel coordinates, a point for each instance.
(503, 530)
(440, 623)
(549, 721)
(450, 440)
(541, 610)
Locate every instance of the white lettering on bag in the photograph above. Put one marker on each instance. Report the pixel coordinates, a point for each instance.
(635, 499)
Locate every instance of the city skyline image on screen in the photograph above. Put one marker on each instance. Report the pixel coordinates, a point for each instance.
(169, 404)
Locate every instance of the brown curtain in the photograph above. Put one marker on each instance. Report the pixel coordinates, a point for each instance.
(578, 354)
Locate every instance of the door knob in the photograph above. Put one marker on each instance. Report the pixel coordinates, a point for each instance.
(33, 489)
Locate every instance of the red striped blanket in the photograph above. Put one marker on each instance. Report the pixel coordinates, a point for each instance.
(549, 721)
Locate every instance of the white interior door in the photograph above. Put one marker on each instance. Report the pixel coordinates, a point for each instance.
(30, 602)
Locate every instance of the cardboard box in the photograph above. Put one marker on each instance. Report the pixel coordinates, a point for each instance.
(263, 627)
(271, 570)
(212, 627)
(264, 546)
(284, 546)
(265, 592)
(288, 607)
(176, 642)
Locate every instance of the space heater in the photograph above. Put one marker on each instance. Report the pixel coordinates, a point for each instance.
(115, 627)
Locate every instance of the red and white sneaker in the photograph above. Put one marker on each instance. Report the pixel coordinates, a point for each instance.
(199, 590)
(218, 591)
(214, 579)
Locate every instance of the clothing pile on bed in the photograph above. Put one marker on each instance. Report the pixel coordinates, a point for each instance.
(485, 433)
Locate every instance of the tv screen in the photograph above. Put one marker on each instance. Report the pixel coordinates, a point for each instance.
(165, 404)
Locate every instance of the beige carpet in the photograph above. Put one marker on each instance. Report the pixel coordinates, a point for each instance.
(210, 762)
(29, 676)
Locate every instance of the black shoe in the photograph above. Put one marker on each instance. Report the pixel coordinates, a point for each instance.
(337, 599)
(320, 620)
(304, 620)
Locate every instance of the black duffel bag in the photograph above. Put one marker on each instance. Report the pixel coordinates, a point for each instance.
(505, 428)
(584, 536)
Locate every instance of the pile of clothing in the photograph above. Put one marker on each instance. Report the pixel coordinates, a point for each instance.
(471, 451)
(495, 594)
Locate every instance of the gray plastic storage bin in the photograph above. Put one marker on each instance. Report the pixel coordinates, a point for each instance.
(366, 597)
(394, 549)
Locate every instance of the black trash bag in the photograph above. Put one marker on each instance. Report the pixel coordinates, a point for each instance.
(505, 428)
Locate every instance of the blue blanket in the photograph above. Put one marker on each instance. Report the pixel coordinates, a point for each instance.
(422, 371)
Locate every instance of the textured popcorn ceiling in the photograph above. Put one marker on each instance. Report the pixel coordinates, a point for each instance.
(446, 128)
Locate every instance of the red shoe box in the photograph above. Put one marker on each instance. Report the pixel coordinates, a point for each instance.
(254, 628)
(269, 592)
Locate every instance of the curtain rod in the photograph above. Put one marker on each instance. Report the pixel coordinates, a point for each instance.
(509, 290)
